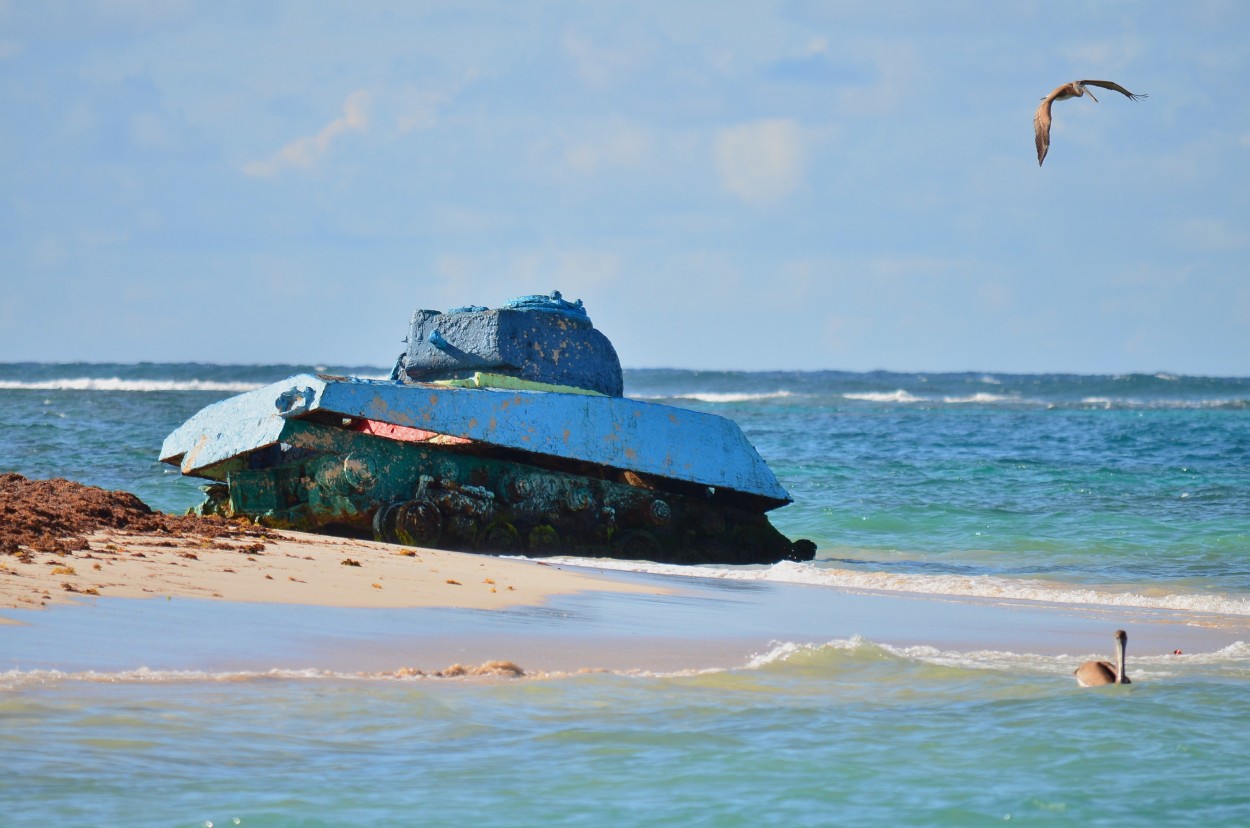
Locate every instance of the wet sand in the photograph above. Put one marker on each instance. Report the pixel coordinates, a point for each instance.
(96, 581)
(296, 606)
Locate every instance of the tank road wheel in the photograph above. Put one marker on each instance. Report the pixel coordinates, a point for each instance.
(462, 530)
(636, 545)
(418, 523)
(542, 539)
(501, 536)
(659, 512)
(384, 523)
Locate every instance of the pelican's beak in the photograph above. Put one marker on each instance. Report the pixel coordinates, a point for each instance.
(1091, 94)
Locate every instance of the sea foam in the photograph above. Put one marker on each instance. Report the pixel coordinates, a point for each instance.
(722, 397)
(1234, 657)
(981, 586)
(899, 396)
(119, 384)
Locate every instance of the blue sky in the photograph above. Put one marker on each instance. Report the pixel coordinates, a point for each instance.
(771, 185)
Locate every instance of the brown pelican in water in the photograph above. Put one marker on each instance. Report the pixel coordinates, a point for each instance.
(1075, 89)
(1095, 673)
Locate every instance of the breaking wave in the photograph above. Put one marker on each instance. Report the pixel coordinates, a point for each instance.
(981, 587)
(726, 397)
(904, 397)
(119, 384)
(778, 655)
(899, 396)
(1234, 657)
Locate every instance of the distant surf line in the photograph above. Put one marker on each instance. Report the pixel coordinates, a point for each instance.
(903, 397)
(119, 384)
(895, 397)
(719, 397)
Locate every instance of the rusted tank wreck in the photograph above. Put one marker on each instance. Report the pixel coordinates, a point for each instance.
(500, 431)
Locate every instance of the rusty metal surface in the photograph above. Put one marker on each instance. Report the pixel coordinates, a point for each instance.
(328, 478)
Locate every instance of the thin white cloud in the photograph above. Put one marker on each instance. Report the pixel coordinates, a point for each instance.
(420, 111)
(618, 145)
(1210, 235)
(761, 162)
(1112, 53)
(49, 252)
(306, 151)
(596, 64)
(420, 108)
(899, 77)
(148, 130)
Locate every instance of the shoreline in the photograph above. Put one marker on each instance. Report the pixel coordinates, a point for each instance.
(96, 581)
(298, 603)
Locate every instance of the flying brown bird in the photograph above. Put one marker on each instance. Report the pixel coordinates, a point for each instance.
(1075, 89)
(1095, 673)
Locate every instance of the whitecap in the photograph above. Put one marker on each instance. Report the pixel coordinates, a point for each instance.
(983, 398)
(1234, 656)
(722, 397)
(118, 384)
(899, 396)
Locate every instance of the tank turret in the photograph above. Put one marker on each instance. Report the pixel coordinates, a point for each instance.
(541, 339)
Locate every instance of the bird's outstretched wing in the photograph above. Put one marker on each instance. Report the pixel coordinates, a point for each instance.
(1041, 120)
(1112, 85)
(1041, 129)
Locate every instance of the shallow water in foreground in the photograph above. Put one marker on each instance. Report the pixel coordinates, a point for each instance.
(847, 733)
(1130, 493)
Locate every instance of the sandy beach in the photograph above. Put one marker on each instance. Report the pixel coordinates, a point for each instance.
(95, 580)
(284, 568)
(293, 601)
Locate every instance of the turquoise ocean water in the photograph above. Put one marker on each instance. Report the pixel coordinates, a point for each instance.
(1130, 491)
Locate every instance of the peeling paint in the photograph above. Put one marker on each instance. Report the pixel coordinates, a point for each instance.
(189, 459)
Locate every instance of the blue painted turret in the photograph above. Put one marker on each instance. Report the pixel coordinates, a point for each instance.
(542, 339)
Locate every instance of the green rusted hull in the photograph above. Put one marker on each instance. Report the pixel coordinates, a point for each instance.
(417, 494)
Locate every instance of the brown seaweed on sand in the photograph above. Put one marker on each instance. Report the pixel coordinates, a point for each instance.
(57, 515)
